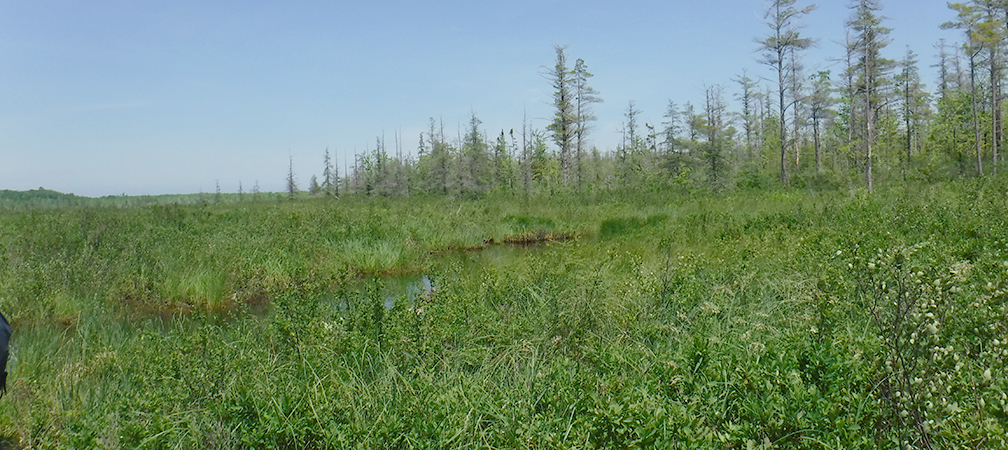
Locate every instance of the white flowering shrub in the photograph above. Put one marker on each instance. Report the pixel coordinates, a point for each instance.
(941, 329)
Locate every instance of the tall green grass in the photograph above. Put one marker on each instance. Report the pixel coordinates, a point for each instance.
(669, 321)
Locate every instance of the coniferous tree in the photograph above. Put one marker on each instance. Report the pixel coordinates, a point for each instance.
(632, 150)
(514, 162)
(292, 187)
(992, 35)
(313, 186)
(330, 176)
(584, 97)
(670, 140)
(913, 101)
(785, 36)
(564, 116)
(797, 101)
(474, 164)
(500, 162)
(944, 70)
(848, 103)
(717, 134)
(747, 99)
(872, 68)
(435, 166)
(969, 21)
(820, 103)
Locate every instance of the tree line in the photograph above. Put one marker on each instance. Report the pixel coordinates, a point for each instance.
(872, 122)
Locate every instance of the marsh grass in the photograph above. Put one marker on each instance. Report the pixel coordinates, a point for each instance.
(666, 321)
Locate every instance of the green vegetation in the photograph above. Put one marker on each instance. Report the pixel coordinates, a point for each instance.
(701, 285)
(785, 318)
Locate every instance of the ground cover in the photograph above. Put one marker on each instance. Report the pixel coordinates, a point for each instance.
(745, 320)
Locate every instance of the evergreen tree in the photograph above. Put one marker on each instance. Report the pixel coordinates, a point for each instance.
(632, 151)
(914, 101)
(992, 35)
(944, 70)
(330, 176)
(501, 162)
(313, 186)
(784, 38)
(564, 116)
(292, 187)
(670, 140)
(872, 69)
(717, 133)
(474, 164)
(747, 98)
(584, 97)
(819, 107)
(970, 21)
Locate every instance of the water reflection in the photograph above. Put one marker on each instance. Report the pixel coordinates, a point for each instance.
(380, 292)
(408, 288)
(390, 289)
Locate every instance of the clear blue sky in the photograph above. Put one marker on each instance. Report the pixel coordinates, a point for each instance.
(152, 97)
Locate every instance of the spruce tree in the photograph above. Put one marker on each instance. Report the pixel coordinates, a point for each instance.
(784, 38)
(584, 97)
(330, 176)
(872, 69)
(564, 116)
(292, 187)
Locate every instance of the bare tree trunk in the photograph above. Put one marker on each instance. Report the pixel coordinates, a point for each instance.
(995, 110)
(794, 110)
(869, 121)
(815, 140)
(907, 112)
(976, 123)
(783, 122)
(868, 152)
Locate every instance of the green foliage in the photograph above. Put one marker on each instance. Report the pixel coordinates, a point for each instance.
(623, 225)
(684, 320)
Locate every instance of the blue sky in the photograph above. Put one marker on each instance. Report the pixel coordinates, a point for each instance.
(153, 97)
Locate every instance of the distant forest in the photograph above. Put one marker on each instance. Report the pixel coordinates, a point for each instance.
(872, 123)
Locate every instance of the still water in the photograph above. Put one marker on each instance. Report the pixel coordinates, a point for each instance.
(408, 288)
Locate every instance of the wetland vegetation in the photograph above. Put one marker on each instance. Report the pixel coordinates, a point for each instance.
(782, 318)
(680, 290)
